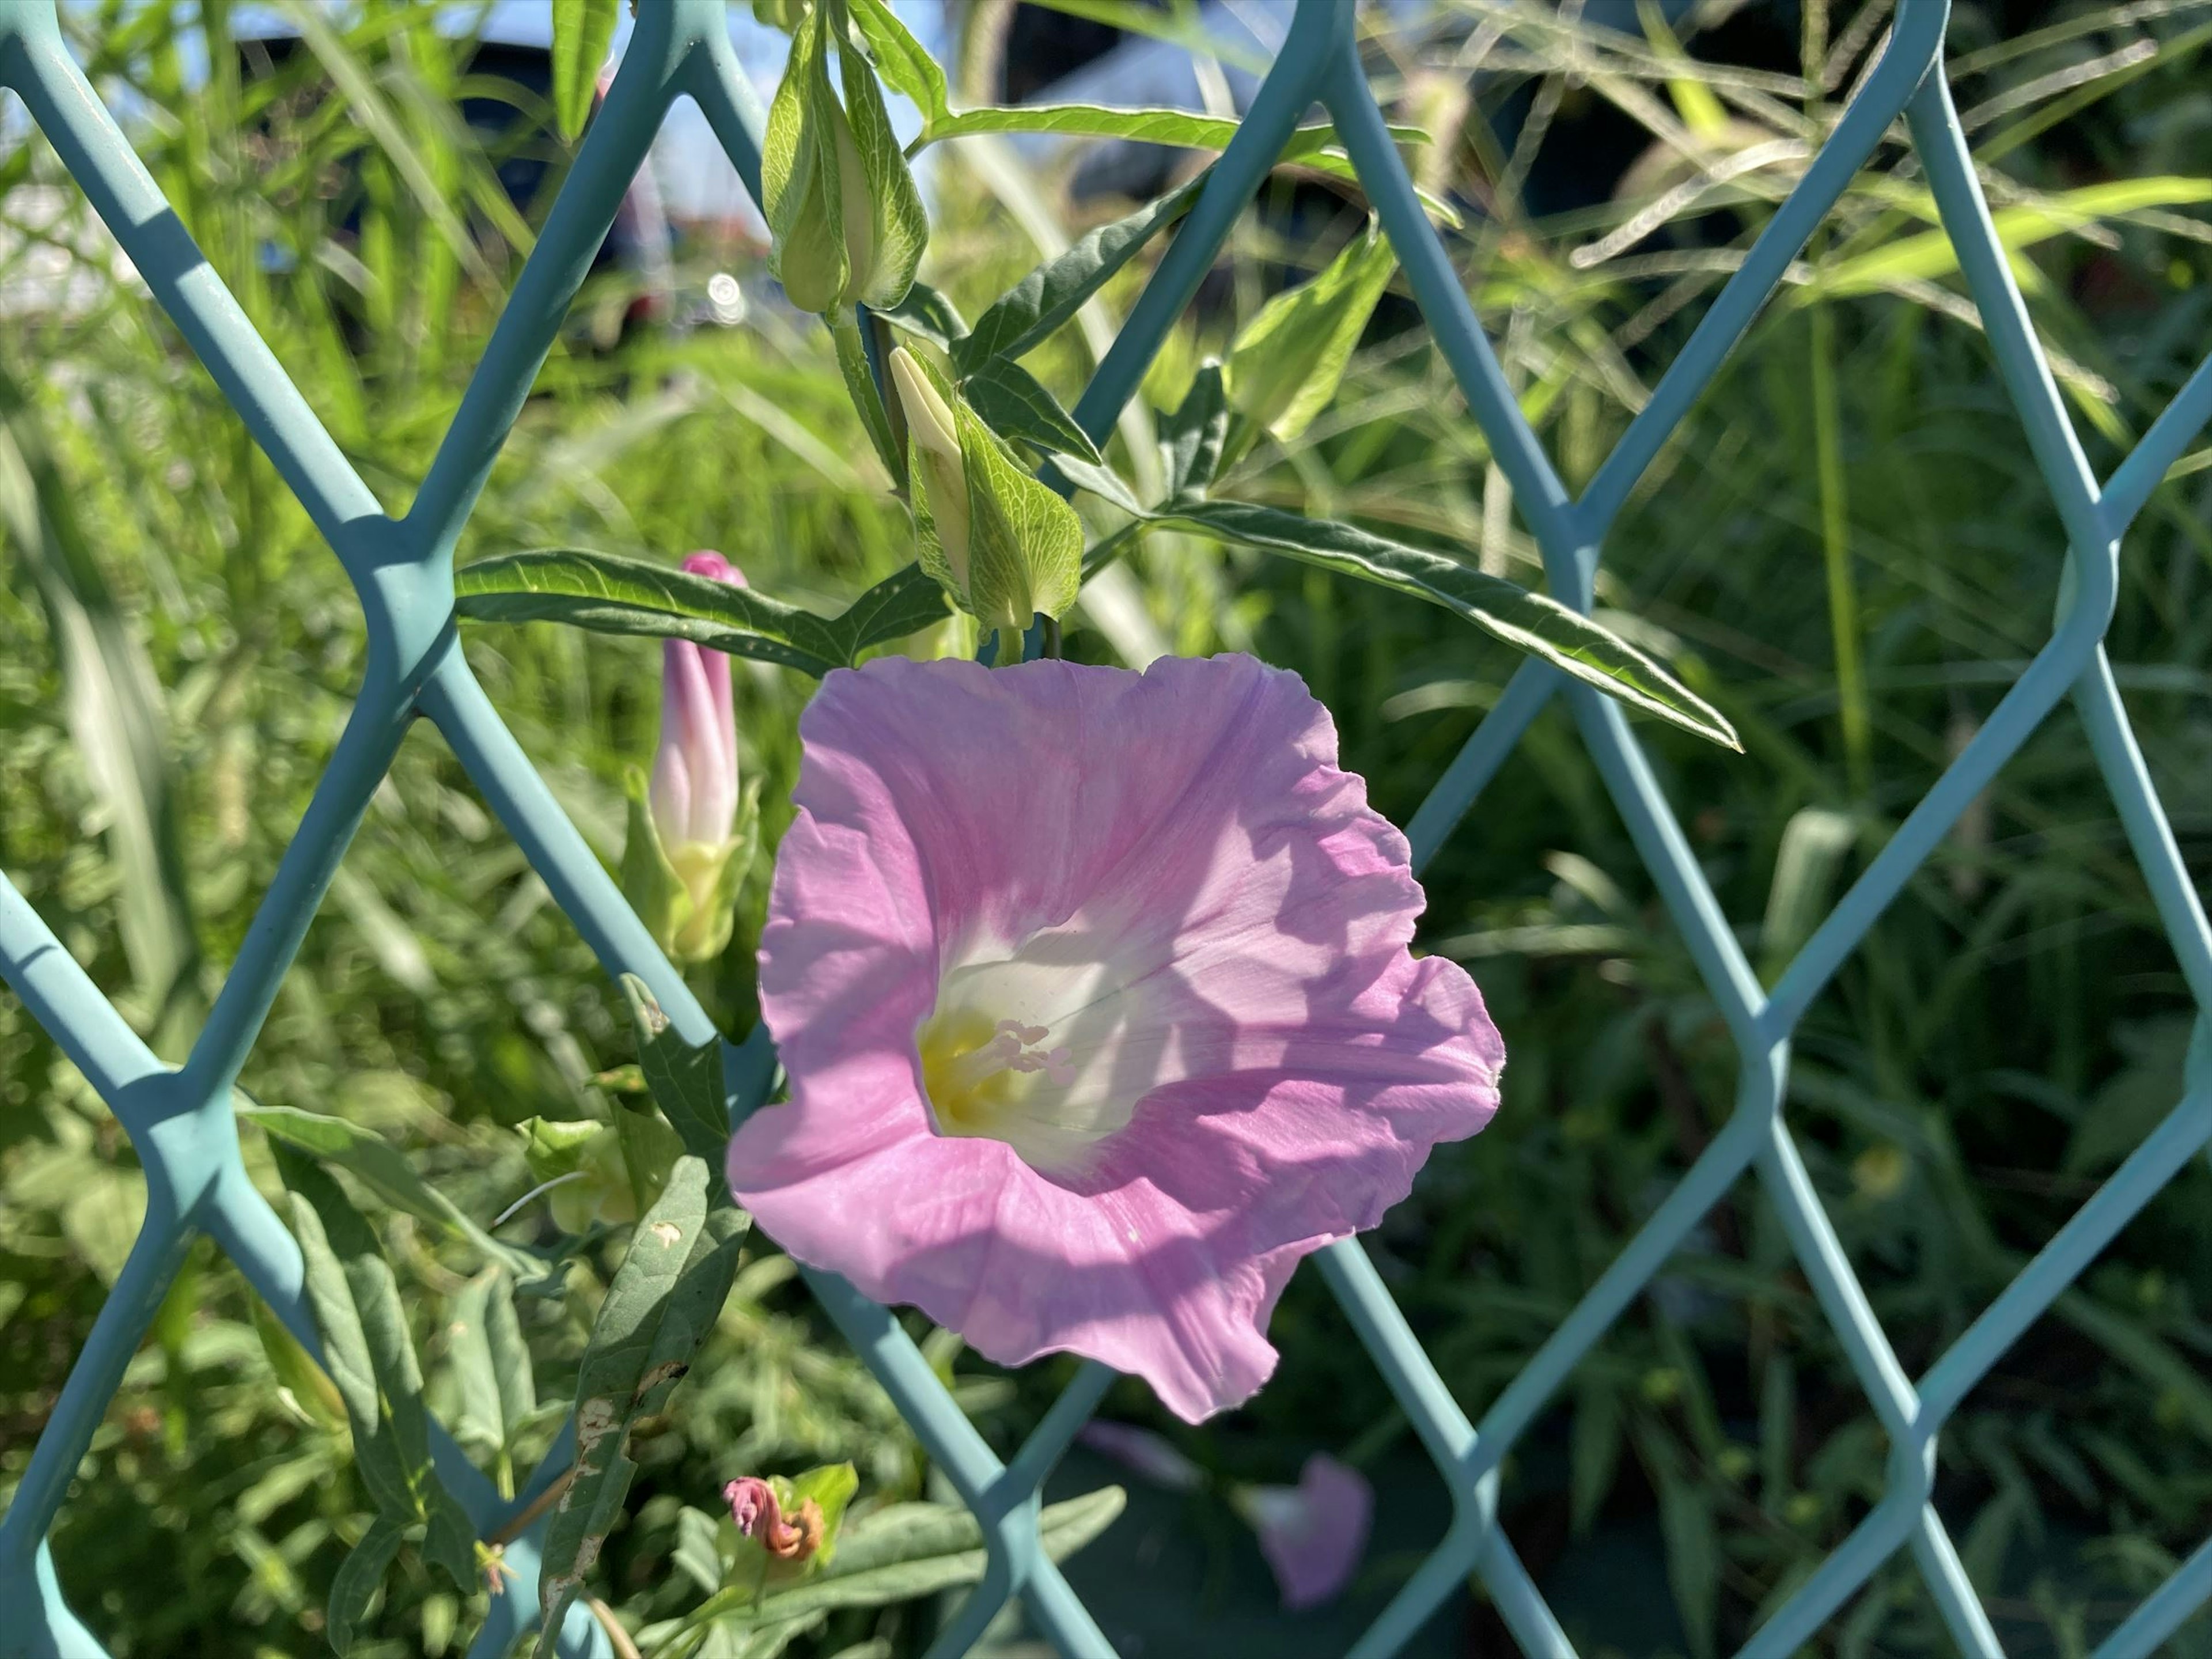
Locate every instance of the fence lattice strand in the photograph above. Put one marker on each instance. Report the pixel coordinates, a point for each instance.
(180, 1118)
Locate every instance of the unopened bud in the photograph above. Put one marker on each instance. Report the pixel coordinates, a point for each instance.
(934, 432)
(692, 826)
(846, 220)
(1004, 546)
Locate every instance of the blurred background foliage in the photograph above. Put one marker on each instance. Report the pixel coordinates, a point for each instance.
(1845, 547)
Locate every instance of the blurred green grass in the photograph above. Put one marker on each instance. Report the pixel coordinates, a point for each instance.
(180, 652)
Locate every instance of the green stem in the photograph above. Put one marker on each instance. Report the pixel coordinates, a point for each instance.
(1835, 544)
(1051, 639)
(860, 386)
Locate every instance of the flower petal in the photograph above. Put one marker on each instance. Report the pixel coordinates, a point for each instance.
(1313, 1534)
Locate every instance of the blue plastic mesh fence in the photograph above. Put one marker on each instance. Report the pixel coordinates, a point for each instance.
(180, 1119)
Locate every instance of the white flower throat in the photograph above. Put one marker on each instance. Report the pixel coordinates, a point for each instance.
(1044, 1052)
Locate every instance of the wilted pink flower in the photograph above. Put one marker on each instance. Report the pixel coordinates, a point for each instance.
(1313, 1534)
(1093, 991)
(759, 1517)
(748, 1498)
(695, 770)
(1140, 1451)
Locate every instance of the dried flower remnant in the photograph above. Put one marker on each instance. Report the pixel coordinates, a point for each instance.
(758, 1515)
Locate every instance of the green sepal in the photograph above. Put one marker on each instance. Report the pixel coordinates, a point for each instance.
(902, 226)
(1025, 542)
(649, 880)
(657, 890)
(799, 178)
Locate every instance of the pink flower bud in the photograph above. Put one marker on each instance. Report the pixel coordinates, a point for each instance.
(694, 771)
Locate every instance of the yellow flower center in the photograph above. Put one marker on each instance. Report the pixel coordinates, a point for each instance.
(978, 1074)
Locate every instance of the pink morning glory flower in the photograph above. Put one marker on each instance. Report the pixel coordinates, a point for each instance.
(1313, 1534)
(1093, 991)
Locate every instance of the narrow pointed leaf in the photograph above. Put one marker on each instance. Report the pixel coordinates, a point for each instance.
(381, 1167)
(903, 61)
(583, 30)
(928, 314)
(1527, 621)
(358, 1579)
(665, 1297)
(1177, 127)
(1192, 438)
(369, 1355)
(1016, 406)
(686, 1081)
(1041, 301)
(1289, 359)
(609, 593)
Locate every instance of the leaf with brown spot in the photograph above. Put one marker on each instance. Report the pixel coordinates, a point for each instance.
(665, 1298)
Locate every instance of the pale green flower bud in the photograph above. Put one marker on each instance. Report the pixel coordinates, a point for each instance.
(846, 220)
(1003, 545)
(934, 435)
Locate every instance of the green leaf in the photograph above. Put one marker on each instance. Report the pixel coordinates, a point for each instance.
(901, 59)
(1930, 254)
(1192, 438)
(928, 314)
(1014, 403)
(369, 1356)
(1287, 362)
(1813, 843)
(1177, 127)
(359, 1579)
(555, 1146)
(897, 606)
(686, 1081)
(583, 31)
(296, 1370)
(698, 1551)
(1105, 483)
(1594, 1441)
(1531, 622)
(384, 1170)
(649, 1150)
(649, 882)
(829, 1488)
(1694, 1556)
(1045, 299)
(486, 1420)
(664, 1300)
(609, 593)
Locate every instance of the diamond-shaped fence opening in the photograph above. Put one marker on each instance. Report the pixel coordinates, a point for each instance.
(180, 1119)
